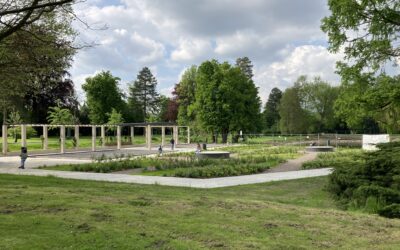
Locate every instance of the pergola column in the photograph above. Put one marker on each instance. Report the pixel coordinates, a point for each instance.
(162, 135)
(176, 136)
(5, 137)
(62, 139)
(76, 136)
(188, 135)
(45, 137)
(118, 137)
(148, 133)
(103, 136)
(93, 138)
(23, 135)
(132, 134)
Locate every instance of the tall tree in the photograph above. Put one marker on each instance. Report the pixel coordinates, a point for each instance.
(184, 93)
(368, 33)
(245, 66)
(226, 100)
(102, 95)
(143, 94)
(293, 117)
(271, 112)
(28, 57)
(318, 98)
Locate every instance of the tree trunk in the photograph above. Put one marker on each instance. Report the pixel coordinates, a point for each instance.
(224, 135)
(4, 116)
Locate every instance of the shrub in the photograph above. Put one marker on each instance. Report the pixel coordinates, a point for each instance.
(391, 211)
(370, 183)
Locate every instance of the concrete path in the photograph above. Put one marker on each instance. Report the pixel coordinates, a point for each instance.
(174, 181)
(293, 164)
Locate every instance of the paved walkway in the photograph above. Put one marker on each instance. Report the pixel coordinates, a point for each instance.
(174, 181)
(293, 164)
(8, 165)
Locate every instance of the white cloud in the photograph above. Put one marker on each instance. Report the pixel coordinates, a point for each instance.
(191, 50)
(307, 60)
(281, 37)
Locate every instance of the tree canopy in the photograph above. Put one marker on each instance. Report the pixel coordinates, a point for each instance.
(143, 95)
(18, 15)
(367, 31)
(271, 111)
(102, 95)
(226, 100)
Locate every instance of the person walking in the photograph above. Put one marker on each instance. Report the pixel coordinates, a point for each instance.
(24, 156)
(198, 148)
(160, 150)
(172, 141)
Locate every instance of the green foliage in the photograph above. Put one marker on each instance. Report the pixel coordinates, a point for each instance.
(308, 107)
(226, 100)
(271, 112)
(102, 94)
(114, 118)
(27, 57)
(371, 185)
(363, 96)
(60, 116)
(293, 117)
(244, 64)
(391, 211)
(143, 97)
(185, 94)
(367, 31)
(336, 159)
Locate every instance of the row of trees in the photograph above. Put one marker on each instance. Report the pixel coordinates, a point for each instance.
(37, 47)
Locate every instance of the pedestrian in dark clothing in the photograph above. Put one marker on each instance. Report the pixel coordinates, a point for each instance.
(172, 144)
(24, 156)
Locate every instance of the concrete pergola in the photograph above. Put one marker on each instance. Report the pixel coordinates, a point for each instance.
(148, 127)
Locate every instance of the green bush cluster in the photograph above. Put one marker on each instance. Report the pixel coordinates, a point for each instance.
(335, 159)
(106, 167)
(371, 184)
(224, 170)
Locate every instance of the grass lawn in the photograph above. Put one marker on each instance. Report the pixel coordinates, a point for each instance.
(52, 213)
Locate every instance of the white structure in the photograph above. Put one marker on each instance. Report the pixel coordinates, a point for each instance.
(369, 142)
(148, 127)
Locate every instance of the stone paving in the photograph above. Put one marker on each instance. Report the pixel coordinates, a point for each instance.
(8, 165)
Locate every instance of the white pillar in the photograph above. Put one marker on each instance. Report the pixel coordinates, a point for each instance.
(176, 134)
(93, 138)
(188, 135)
(5, 137)
(23, 135)
(148, 132)
(62, 139)
(45, 137)
(162, 135)
(118, 137)
(76, 136)
(103, 136)
(132, 134)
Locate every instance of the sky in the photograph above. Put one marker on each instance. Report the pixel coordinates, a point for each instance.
(282, 38)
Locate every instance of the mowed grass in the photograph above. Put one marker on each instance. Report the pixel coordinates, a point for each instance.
(52, 213)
